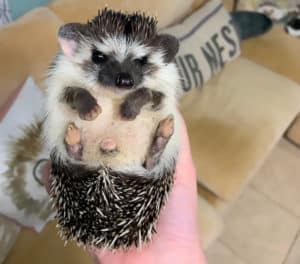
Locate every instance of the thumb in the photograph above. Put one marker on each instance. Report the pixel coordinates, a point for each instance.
(179, 217)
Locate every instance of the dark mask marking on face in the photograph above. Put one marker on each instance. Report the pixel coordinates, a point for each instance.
(108, 71)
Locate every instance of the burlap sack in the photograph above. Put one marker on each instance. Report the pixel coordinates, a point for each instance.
(208, 41)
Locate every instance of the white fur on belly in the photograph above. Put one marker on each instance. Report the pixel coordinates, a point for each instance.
(133, 137)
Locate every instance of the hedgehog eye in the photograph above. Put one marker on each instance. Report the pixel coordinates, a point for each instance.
(98, 57)
(142, 61)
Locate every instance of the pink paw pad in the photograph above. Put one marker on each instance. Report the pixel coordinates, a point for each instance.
(108, 146)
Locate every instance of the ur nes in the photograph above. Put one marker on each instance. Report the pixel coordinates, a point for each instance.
(209, 57)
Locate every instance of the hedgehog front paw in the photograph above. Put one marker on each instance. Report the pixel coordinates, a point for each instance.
(128, 112)
(83, 102)
(134, 102)
(89, 113)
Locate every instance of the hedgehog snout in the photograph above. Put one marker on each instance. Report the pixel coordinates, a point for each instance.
(124, 80)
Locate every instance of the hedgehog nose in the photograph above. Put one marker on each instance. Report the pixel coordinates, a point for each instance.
(124, 80)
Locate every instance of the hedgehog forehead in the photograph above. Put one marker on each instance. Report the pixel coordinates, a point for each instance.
(120, 48)
(136, 26)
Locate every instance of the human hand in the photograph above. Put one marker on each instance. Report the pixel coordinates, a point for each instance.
(177, 239)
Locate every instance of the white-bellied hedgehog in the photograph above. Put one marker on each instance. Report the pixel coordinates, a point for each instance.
(112, 124)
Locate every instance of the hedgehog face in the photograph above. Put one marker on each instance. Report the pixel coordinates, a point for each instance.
(115, 62)
(118, 50)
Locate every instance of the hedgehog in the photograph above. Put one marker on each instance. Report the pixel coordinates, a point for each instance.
(112, 125)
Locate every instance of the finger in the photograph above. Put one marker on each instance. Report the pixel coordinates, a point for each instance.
(179, 217)
(185, 170)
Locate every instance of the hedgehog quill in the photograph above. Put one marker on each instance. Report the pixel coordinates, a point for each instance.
(112, 125)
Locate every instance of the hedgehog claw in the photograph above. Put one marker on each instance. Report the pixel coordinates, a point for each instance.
(92, 114)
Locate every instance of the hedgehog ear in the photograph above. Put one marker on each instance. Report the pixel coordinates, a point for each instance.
(170, 46)
(69, 36)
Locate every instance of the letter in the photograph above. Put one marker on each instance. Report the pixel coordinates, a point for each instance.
(226, 31)
(196, 73)
(220, 49)
(211, 57)
(184, 75)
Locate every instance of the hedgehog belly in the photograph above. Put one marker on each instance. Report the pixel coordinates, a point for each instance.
(105, 208)
(133, 137)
